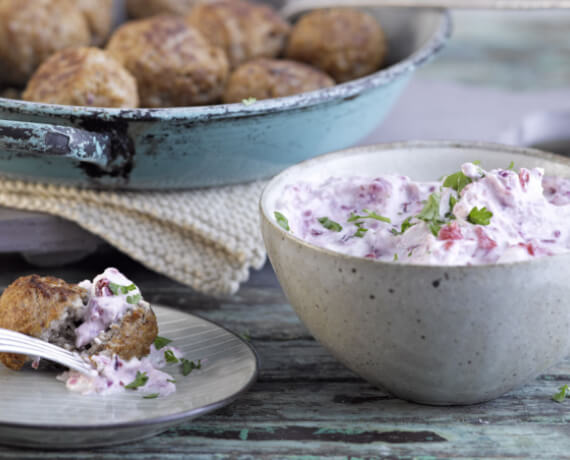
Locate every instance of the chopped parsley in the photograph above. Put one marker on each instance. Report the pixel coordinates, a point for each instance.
(457, 181)
(171, 380)
(245, 335)
(562, 394)
(139, 381)
(511, 166)
(170, 357)
(248, 101)
(361, 230)
(430, 214)
(151, 396)
(118, 289)
(369, 215)
(134, 299)
(395, 257)
(281, 220)
(160, 342)
(480, 216)
(330, 224)
(189, 366)
(405, 225)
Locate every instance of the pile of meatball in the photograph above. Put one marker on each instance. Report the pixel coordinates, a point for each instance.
(178, 52)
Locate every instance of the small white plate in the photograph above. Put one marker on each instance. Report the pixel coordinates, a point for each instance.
(38, 411)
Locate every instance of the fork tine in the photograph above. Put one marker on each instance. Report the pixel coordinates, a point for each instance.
(15, 342)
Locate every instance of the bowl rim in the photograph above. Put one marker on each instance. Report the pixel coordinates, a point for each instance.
(370, 149)
(344, 91)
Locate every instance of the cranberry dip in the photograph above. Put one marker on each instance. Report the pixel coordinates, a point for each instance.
(470, 217)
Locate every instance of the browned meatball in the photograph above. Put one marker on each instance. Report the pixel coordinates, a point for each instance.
(173, 63)
(32, 30)
(266, 78)
(40, 307)
(146, 8)
(83, 76)
(131, 337)
(343, 42)
(99, 16)
(244, 30)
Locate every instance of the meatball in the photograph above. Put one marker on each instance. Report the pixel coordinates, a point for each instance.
(146, 8)
(266, 78)
(131, 337)
(99, 16)
(41, 307)
(244, 30)
(173, 63)
(32, 30)
(83, 76)
(343, 42)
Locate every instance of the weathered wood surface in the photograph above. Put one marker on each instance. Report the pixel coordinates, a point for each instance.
(306, 405)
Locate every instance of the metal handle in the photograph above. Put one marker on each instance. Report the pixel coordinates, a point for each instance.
(294, 7)
(40, 139)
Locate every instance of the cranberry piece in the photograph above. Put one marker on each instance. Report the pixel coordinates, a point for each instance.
(450, 232)
(483, 240)
(524, 177)
(529, 247)
(102, 288)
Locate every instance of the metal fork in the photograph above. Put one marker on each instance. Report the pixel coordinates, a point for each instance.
(14, 342)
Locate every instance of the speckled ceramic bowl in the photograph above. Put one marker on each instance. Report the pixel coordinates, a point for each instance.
(431, 334)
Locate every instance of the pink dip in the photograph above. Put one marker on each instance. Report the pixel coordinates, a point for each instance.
(530, 217)
(104, 308)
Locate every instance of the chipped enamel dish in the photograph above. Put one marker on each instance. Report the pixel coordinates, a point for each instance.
(427, 333)
(219, 144)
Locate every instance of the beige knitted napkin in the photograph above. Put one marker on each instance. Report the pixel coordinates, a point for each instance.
(205, 238)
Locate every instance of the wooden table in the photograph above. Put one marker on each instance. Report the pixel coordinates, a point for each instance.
(305, 404)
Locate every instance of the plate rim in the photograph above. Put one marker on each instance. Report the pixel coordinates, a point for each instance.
(161, 420)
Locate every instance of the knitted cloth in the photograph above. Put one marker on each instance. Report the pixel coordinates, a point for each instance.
(205, 238)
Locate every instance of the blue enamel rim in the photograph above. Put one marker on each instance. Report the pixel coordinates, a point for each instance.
(204, 113)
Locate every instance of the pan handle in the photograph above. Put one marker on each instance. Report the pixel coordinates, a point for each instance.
(39, 139)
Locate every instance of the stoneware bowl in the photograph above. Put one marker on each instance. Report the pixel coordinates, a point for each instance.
(431, 334)
(188, 147)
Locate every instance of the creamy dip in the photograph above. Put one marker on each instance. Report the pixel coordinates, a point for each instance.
(110, 296)
(105, 306)
(470, 217)
(114, 374)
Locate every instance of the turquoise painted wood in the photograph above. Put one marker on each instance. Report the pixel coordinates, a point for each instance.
(212, 145)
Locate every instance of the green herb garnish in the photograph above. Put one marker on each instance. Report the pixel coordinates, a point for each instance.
(281, 220)
(118, 289)
(151, 396)
(457, 181)
(562, 394)
(369, 215)
(189, 366)
(361, 230)
(134, 299)
(430, 214)
(480, 216)
(511, 166)
(330, 224)
(160, 342)
(171, 380)
(139, 381)
(170, 356)
(395, 257)
(246, 336)
(405, 225)
(248, 101)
